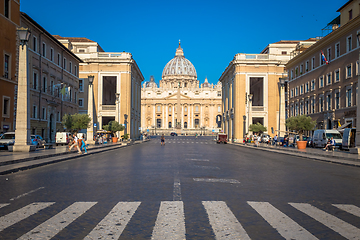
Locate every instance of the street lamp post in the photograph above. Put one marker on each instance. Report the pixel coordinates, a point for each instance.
(90, 129)
(117, 95)
(22, 132)
(281, 105)
(244, 127)
(250, 96)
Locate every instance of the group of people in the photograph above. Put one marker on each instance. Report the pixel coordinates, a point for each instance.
(79, 143)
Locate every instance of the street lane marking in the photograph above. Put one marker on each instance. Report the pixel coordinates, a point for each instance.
(286, 227)
(349, 208)
(216, 180)
(177, 187)
(23, 195)
(4, 204)
(206, 167)
(54, 225)
(112, 226)
(223, 222)
(170, 222)
(22, 213)
(343, 228)
(196, 159)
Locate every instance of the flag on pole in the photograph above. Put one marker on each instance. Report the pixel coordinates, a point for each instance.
(324, 58)
(63, 90)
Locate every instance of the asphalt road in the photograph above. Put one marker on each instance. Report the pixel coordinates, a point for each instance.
(190, 188)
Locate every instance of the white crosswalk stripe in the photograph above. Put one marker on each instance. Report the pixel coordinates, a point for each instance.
(3, 205)
(224, 223)
(54, 225)
(170, 221)
(343, 228)
(115, 222)
(22, 213)
(349, 208)
(286, 227)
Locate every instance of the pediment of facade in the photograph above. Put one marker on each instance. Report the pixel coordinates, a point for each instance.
(174, 97)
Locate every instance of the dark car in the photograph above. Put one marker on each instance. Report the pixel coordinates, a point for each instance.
(173, 134)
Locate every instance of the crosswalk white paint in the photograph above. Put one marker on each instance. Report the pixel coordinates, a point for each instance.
(343, 228)
(54, 225)
(286, 227)
(115, 222)
(223, 222)
(170, 222)
(216, 180)
(22, 213)
(349, 208)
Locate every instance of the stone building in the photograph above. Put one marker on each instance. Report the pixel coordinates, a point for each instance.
(9, 21)
(251, 90)
(179, 104)
(116, 86)
(323, 79)
(53, 73)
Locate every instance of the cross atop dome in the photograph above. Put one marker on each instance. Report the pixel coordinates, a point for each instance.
(179, 51)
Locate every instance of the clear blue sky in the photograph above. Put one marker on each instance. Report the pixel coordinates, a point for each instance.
(211, 32)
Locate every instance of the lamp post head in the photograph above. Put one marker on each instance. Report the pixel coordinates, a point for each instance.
(91, 79)
(250, 97)
(282, 81)
(24, 35)
(244, 117)
(117, 95)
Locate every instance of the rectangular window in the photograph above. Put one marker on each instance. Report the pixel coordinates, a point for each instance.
(34, 112)
(196, 108)
(337, 75)
(350, 14)
(313, 63)
(301, 89)
(337, 100)
(307, 66)
(75, 72)
(52, 87)
(81, 102)
(321, 59)
(6, 107)
(170, 109)
(312, 105)
(328, 102)
(34, 44)
(348, 97)
(169, 124)
(337, 50)
(313, 85)
(6, 66)
(296, 109)
(296, 91)
(307, 87)
(321, 104)
(348, 44)
(292, 74)
(59, 59)
(7, 8)
(35, 80)
(64, 64)
(328, 79)
(52, 54)
(159, 109)
(219, 109)
(70, 67)
(348, 71)
(301, 69)
(301, 108)
(321, 82)
(292, 93)
(329, 54)
(58, 116)
(307, 107)
(81, 85)
(44, 86)
(218, 93)
(44, 113)
(44, 49)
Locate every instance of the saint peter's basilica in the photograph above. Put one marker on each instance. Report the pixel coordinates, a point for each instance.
(179, 104)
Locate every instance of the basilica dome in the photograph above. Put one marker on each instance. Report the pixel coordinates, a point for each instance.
(179, 66)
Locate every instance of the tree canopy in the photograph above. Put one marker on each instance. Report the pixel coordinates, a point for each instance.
(113, 126)
(300, 124)
(257, 128)
(76, 122)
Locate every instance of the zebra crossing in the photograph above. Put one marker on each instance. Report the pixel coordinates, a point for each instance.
(184, 142)
(171, 222)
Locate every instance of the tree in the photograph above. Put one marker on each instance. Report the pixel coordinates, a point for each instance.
(257, 128)
(113, 127)
(76, 122)
(300, 124)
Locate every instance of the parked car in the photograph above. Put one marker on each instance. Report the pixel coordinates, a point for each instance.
(173, 134)
(348, 140)
(37, 140)
(7, 139)
(321, 137)
(62, 138)
(221, 138)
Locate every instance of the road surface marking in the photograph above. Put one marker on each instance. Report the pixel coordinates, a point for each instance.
(54, 225)
(206, 167)
(112, 226)
(23, 195)
(196, 159)
(223, 222)
(22, 213)
(286, 227)
(4, 204)
(216, 180)
(343, 228)
(170, 222)
(349, 208)
(177, 187)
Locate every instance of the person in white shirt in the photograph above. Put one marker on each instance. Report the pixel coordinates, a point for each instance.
(75, 143)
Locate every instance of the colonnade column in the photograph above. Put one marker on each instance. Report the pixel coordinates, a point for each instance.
(172, 115)
(167, 116)
(182, 116)
(154, 116)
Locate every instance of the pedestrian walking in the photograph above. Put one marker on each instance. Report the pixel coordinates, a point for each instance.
(162, 140)
(258, 141)
(83, 145)
(75, 143)
(275, 139)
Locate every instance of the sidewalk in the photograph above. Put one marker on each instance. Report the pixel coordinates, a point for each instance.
(336, 156)
(16, 161)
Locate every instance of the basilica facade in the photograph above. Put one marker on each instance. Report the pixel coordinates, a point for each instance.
(179, 104)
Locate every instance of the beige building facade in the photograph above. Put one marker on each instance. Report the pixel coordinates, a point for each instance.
(116, 86)
(9, 21)
(179, 104)
(251, 91)
(53, 79)
(327, 88)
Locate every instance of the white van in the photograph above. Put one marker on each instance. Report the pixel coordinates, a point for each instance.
(62, 138)
(321, 136)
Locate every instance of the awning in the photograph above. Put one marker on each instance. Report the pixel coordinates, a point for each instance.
(344, 126)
